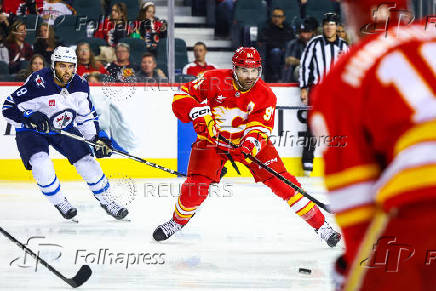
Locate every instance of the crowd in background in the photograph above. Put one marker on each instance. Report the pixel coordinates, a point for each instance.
(279, 41)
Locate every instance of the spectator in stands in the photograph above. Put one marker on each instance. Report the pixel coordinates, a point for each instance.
(23, 7)
(223, 17)
(19, 50)
(36, 63)
(295, 48)
(94, 78)
(272, 40)
(115, 27)
(54, 8)
(86, 63)
(4, 30)
(342, 33)
(149, 27)
(199, 65)
(121, 70)
(45, 41)
(149, 68)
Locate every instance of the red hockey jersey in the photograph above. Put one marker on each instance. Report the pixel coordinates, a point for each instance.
(236, 113)
(382, 97)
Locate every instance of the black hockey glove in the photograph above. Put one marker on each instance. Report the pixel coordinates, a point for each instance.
(103, 148)
(37, 120)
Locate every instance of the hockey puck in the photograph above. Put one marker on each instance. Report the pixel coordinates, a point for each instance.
(305, 271)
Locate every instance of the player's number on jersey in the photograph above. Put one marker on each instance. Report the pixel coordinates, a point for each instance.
(268, 113)
(22, 91)
(197, 82)
(410, 84)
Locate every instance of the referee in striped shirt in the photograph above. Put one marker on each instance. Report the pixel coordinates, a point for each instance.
(318, 57)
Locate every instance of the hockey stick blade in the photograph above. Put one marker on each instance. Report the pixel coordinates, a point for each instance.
(81, 277)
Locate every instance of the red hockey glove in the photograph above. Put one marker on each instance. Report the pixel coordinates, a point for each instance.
(204, 125)
(250, 146)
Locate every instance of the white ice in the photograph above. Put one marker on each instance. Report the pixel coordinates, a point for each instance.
(243, 237)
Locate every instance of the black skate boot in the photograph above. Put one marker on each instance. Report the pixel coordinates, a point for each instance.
(166, 230)
(328, 234)
(115, 210)
(66, 209)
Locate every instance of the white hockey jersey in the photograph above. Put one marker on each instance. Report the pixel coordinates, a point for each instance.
(65, 107)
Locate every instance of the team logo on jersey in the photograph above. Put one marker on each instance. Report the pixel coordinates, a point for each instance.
(230, 119)
(39, 81)
(63, 119)
(51, 102)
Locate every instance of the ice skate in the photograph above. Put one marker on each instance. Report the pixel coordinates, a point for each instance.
(115, 210)
(66, 209)
(328, 234)
(166, 230)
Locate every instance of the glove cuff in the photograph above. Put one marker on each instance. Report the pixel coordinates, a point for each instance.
(197, 112)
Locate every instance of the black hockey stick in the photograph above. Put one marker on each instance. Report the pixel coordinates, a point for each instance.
(81, 277)
(121, 153)
(280, 177)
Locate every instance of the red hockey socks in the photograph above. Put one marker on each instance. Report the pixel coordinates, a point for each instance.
(302, 206)
(194, 190)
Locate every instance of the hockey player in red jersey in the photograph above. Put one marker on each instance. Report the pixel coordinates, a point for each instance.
(382, 186)
(239, 106)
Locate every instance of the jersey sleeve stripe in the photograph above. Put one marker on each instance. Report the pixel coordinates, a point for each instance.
(421, 133)
(352, 175)
(355, 215)
(181, 96)
(352, 196)
(257, 124)
(408, 180)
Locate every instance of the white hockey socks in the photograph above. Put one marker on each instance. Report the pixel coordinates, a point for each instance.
(91, 172)
(44, 174)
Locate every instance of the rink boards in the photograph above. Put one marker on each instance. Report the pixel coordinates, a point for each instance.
(146, 109)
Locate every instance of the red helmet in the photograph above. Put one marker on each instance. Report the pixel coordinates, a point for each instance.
(247, 57)
(361, 14)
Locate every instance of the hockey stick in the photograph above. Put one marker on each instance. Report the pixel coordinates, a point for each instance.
(81, 277)
(138, 159)
(280, 177)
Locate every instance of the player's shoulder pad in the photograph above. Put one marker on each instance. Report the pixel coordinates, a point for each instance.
(80, 84)
(39, 80)
(263, 89)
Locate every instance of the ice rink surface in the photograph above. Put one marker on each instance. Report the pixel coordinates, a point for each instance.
(243, 237)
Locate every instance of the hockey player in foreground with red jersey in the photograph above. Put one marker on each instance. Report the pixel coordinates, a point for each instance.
(382, 186)
(239, 106)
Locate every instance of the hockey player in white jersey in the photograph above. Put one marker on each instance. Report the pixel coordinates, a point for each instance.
(57, 97)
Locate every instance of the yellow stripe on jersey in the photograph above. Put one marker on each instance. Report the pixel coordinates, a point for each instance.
(355, 215)
(420, 133)
(260, 134)
(306, 209)
(408, 180)
(256, 123)
(294, 198)
(185, 89)
(351, 175)
(375, 229)
(181, 96)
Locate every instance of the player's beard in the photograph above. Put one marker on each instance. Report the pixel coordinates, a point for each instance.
(243, 85)
(62, 78)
